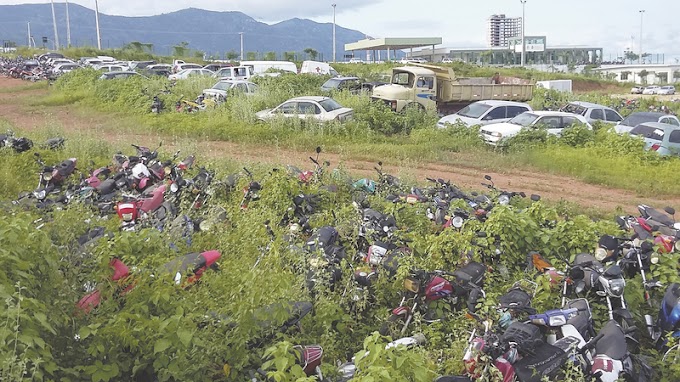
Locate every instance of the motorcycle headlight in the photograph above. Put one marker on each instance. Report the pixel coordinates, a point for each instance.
(677, 246)
(47, 176)
(600, 254)
(557, 321)
(616, 287)
(654, 259)
(174, 187)
(504, 200)
(457, 222)
(40, 195)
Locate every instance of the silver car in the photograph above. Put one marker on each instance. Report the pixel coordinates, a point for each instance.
(660, 137)
(323, 109)
(593, 112)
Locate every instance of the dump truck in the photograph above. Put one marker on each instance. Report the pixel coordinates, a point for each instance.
(433, 87)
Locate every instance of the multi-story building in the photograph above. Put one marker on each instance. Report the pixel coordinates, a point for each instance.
(502, 29)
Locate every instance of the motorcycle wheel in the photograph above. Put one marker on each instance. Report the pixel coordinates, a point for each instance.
(392, 325)
(673, 354)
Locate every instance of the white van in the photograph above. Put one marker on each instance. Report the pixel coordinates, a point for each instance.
(318, 67)
(260, 68)
(234, 73)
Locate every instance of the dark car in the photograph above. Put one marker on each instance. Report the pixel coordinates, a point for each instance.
(161, 72)
(215, 66)
(369, 86)
(46, 56)
(635, 119)
(119, 74)
(342, 83)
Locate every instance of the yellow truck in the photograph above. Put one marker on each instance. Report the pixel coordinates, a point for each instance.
(433, 87)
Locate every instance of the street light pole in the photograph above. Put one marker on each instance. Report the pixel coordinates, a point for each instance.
(524, 45)
(241, 33)
(54, 23)
(334, 31)
(642, 13)
(96, 20)
(68, 28)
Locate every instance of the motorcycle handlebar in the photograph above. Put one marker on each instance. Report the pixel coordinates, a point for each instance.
(591, 344)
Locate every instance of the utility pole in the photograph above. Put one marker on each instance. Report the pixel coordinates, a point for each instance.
(333, 31)
(96, 21)
(642, 13)
(29, 34)
(54, 24)
(242, 58)
(68, 28)
(524, 44)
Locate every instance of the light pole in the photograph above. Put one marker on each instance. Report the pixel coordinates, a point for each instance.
(241, 33)
(96, 20)
(68, 28)
(642, 13)
(54, 23)
(524, 45)
(334, 31)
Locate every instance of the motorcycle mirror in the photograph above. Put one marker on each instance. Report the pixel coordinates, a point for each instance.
(37, 155)
(487, 177)
(318, 149)
(608, 242)
(327, 163)
(380, 163)
(621, 222)
(522, 194)
(535, 197)
(669, 210)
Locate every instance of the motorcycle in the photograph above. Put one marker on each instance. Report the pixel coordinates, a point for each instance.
(423, 290)
(250, 192)
(133, 210)
(612, 360)
(309, 176)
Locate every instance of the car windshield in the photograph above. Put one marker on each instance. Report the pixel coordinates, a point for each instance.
(648, 132)
(330, 104)
(333, 83)
(222, 86)
(474, 110)
(636, 119)
(524, 119)
(574, 109)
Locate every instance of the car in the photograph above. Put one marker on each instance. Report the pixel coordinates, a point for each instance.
(234, 73)
(65, 68)
(215, 66)
(447, 60)
(553, 121)
(161, 72)
(484, 113)
(637, 89)
(637, 118)
(650, 89)
(356, 61)
(413, 60)
(666, 90)
(324, 109)
(221, 89)
(369, 86)
(660, 137)
(119, 75)
(185, 65)
(593, 112)
(110, 68)
(138, 65)
(160, 66)
(341, 83)
(192, 72)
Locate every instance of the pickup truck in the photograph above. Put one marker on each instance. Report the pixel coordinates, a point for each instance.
(433, 87)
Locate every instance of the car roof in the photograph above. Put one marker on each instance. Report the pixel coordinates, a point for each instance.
(236, 81)
(553, 113)
(649, 114)
(659, 125)
(309, 98)
(494, 102)
(589, 105)
(119, 72)
(344, 78)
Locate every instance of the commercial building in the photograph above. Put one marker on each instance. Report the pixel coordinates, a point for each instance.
(501, 29)
(642, 74)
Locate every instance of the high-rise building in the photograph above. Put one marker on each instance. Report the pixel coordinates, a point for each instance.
(502, 29)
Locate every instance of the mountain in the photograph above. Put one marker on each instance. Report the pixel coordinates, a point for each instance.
(212, 32)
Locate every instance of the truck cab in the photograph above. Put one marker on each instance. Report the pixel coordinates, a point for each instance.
(409, 85)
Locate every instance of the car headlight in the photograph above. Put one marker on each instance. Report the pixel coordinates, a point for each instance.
(616, 287)
(600, 254)
(504, 200)
(457, 222)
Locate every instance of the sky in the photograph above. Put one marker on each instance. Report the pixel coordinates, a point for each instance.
(611, 24)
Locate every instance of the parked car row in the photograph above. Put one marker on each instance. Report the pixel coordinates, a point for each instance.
(654, 89)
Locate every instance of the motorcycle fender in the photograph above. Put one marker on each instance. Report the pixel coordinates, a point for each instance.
(608, 369)
(401, 311)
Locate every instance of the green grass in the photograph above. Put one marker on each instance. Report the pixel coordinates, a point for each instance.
(26, 87)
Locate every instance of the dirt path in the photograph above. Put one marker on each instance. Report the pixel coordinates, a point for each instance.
(551, 187)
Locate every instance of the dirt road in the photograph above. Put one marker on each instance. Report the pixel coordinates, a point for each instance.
(15, 109)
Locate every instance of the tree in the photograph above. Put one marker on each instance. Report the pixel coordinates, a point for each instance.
(289, 56)
(251, 56)
(199, 54)
(181, 49)
(312, 53)
(232, 55)
(662, 77)
(676, 74)
(270, 56)
(486, 57)
(643, 75)
(631, 56)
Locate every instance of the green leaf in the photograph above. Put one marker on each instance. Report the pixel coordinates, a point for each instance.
(161, 345)
(184, 336)
(84, 332)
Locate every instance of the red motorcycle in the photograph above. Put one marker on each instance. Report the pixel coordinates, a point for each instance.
(132, 210)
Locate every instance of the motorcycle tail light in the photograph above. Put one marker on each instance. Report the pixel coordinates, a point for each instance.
(412, 285)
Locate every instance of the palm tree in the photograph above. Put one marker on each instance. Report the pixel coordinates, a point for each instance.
(312, 53)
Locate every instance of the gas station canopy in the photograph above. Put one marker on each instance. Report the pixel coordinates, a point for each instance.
(393, 43)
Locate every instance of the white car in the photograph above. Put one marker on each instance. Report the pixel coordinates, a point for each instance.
(416, 60)
(485, 113)
(553, 121)
(220, 90)
(194, 72)
(65, 68)
(651, 89)
(356, 61)
(666, 90)
(185, 65)
(447, 60)
(323, 109)
(110, 68)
